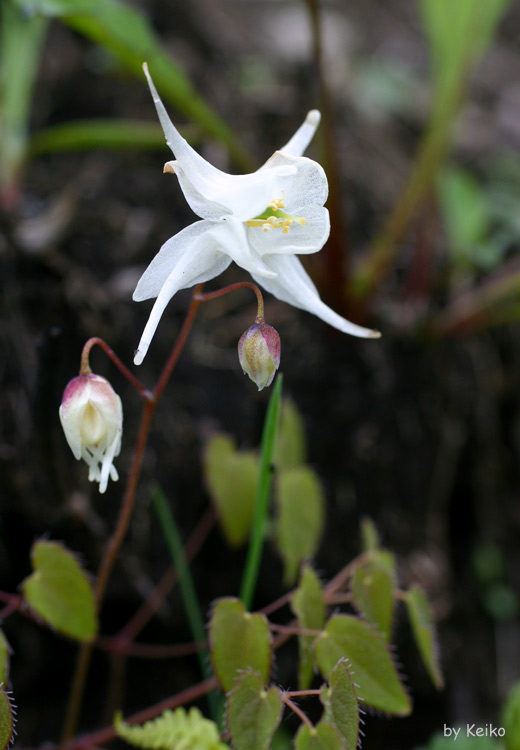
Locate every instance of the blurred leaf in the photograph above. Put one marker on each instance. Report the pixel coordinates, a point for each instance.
(321, 737)
(341, 705)
(290, 450)
(21, 42)
(463, 742)
(232, 480)
(253, 713)
(458, 34)
(501, 602)
(172, 730)
(4, 659)
(59, 591)
(466, 217)
(238, 641)
(373, 590)
(127, 33)
(488, 564)
(92, 134)
(7, 720)
(369, 535)
(308, 605)
(371, 665)
(423, 629)
(300, 517)
(511, 718)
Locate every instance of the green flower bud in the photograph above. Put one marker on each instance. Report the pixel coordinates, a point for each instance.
(259, 353)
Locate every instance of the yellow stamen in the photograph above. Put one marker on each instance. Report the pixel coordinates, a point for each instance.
(276, 219)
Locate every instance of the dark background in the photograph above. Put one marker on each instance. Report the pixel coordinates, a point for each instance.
(422, 437)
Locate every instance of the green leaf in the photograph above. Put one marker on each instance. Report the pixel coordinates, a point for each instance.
(60, 592)
(423, 630)
(128, 35)
(341, 705)
(232, 480)
(373, 591)
(172, 730)
(301, 517)
(308, 605)
(371, 665)
(511, 718)
(4, 658)
(21, 43)
(239, 641)
(99, 133)
(253, 713)
(291, 446)
(321, 737)
(7, 720)
(458, 34)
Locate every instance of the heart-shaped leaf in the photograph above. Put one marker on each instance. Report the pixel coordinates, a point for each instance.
(373, 590)
(308, 605)
(290, 448)
(232, 480)
(341, 705)
(60, 592)
(423, 629)
(301, 516)
(239, 641)
(7, 720)
(253, 713)
(371, 665)
(321, 737)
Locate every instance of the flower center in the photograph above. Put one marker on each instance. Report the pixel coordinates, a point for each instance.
(274, 218)
(93, 427)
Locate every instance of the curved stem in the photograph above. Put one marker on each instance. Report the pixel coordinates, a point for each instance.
(114, 544)
(86, 370)
(296, 709)
(231, 288)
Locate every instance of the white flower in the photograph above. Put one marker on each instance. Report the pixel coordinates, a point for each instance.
(91, 415)
(262, 221)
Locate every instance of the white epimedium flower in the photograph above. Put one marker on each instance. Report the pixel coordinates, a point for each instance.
(262, 221)
(91, 415)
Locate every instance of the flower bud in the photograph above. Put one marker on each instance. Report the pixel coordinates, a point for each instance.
(259, 353)
(91, 415)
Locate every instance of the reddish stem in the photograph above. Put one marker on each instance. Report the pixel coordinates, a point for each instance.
(114, 544)
(231, 288)
(296, 709)
(86, 370)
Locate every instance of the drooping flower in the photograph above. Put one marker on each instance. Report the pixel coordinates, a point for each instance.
(262, 221)
(91, 415)
(259, 353)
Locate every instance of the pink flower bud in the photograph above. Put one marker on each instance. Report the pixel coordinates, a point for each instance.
(259, 353)
(91, 415)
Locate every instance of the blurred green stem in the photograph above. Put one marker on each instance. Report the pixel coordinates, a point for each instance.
(432, 151)
(189, 593)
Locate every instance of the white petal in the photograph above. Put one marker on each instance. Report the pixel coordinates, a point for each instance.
(303, 136)
(71, 414)
(107, 467)
(233, 239)
(299, 239)
(172, 252)
(210, 192)
(199, 260)
(293, 285)
(307, 184)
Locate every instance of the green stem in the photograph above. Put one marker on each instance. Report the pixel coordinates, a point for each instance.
(189, 593)
(431, 153)
(254, 554)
